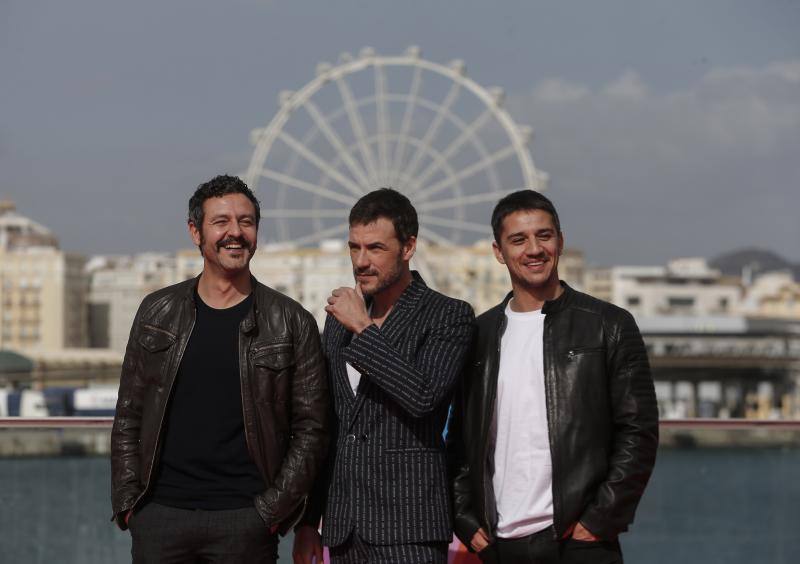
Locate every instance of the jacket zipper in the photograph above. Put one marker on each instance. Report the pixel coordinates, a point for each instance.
(164, 411)
(492, 396)
(548, 382)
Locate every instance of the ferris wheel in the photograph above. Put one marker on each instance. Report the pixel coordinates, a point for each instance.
(371, 121)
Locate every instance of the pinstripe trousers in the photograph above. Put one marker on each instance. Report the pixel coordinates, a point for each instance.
(356, 551)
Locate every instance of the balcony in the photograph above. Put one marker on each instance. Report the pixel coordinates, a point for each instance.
(722, 491)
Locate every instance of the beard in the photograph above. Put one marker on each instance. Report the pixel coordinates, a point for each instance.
(382, 281)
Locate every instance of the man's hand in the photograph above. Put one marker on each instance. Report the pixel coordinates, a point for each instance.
(128, 516)
(581, 533)
(479, 540)
(348, 307)
(307, 546)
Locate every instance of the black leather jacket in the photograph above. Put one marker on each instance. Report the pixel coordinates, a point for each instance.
(284, 397)
(601, 413)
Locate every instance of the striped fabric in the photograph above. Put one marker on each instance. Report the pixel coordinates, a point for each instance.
(386, 479)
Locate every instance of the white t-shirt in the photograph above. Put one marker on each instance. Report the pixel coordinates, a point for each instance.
(354, 376)
(523, 476)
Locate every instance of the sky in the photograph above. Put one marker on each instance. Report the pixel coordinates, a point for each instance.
(668, 129)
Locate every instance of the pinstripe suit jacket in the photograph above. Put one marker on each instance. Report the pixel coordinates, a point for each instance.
(386, 477)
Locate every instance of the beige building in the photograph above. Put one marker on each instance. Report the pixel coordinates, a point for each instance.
(773, 294)
(118, 286)
(685, 287)
(42, 289)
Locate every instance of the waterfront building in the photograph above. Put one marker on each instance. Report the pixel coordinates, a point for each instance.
(686, 286)
(43, 290)
(118, 286)
(773, 294)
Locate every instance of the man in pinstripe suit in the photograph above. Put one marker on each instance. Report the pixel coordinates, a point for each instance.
(394, 349)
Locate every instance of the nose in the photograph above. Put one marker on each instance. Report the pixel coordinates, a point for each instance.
(533, 247)
(234, 230)
(360, 259)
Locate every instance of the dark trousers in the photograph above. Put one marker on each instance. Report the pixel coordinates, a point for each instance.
(542, 548)
(355, 551)
(168, 535)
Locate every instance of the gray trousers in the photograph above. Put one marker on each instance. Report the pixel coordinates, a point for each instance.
(168, 535)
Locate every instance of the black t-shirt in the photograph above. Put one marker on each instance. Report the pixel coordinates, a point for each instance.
(204, 459)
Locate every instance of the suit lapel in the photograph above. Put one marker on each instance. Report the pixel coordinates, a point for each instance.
(339, 339)
(393, 330)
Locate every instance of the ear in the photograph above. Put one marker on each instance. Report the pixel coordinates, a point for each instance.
(498, 254)
(409, 248)
(560, 243)
(194, 233)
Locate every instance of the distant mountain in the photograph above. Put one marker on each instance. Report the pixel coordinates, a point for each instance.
(758, 260)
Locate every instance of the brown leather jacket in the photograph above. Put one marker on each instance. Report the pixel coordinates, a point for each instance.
(284, 397)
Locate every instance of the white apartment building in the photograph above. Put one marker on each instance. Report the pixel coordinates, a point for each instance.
(42, 289)
(118, 286)
(687, 287)
(773, 294)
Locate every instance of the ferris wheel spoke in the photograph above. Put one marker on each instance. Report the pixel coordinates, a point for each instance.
(486, 162)
(358, 173)
(432, 235)
(405, 127)
(306, 186)
(382, 125)
(321, 235)
(321, 164)
(357, 125)
(466, 134)
(454, 223)
(461, 201)
(441, 112)
(303, 214)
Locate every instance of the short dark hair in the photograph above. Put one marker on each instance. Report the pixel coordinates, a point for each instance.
(520, 201)
(217, 187)
(388, 203)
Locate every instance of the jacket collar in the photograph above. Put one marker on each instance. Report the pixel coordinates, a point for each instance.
(550, 306)
(248, 324)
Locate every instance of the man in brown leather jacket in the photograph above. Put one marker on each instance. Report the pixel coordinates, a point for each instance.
(220, 423)
(555, 428)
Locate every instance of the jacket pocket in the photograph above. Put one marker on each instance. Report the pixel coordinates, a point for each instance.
(157, 346)
(272, 366)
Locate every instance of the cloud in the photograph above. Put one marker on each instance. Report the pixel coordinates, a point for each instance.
(692, 171)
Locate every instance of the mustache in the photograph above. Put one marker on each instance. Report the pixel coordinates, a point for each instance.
(245, 244)
(364, 272)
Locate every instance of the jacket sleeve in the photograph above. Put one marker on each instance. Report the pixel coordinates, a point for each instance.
(308, 437)
(635, 439)
(465, 521)
(417, 385)
(318, 499)
(125, 465)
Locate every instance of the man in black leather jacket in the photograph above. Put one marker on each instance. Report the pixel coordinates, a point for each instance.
(555, 428)
(220, 426)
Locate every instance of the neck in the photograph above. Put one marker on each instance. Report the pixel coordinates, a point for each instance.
(384, 300)
(532, 299)
(222, 292)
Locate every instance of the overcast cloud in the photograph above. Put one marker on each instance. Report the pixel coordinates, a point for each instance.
(668, 128)
(681, 172)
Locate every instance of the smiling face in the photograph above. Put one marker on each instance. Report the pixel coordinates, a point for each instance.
(379, 259)
(530, 246)
(227, 237)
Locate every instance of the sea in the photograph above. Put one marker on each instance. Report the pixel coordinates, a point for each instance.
(702, 506)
